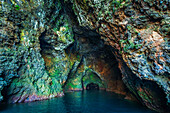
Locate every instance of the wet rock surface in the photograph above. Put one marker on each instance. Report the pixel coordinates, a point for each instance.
(51, 46)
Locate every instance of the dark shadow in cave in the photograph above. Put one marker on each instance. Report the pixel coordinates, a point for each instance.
(46, 48)
(92, 86)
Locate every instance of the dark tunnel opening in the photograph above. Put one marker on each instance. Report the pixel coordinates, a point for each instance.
(92, 86)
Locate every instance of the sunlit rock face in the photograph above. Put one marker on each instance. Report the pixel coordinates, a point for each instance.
(51, 46)
(138, 30)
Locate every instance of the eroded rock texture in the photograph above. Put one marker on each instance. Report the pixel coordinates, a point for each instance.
(138, 30)
(51, 46)
(22, 24)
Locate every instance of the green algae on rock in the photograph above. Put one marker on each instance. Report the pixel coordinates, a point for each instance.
(31, 81)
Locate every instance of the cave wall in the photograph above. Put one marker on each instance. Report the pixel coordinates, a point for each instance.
(138, 31)
(22, 71)
(96, 57)
(98, 62)
(44, 51)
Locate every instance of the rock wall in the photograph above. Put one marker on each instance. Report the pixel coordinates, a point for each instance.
(22, 66)
(138, 31)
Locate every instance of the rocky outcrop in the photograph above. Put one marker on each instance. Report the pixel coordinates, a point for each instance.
(48, 46)
(22, 66)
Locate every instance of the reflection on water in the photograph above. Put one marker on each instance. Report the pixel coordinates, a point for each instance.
(79, 102)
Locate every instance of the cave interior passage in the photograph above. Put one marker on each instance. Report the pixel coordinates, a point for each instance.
(92, 86)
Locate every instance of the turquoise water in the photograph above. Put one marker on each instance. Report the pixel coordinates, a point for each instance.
(79, 102)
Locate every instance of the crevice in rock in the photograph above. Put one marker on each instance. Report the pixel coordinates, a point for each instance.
(45, 46)
(4, 94)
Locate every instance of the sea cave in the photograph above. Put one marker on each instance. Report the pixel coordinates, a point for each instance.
(84, 56)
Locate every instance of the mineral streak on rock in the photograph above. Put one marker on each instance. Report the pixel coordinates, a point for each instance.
(48, 47)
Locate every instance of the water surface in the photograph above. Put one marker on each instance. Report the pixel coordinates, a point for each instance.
(79, 102)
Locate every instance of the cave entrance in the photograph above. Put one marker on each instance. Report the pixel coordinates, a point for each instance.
(92, 86)
(91, 81)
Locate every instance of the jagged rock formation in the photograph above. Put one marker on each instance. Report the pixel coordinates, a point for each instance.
(22, 66)
(49, 46)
